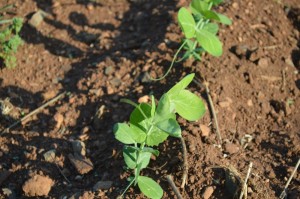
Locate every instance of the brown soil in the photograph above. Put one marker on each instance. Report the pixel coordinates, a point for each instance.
(100, 52)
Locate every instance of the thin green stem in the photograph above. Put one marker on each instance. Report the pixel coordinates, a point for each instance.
(128, 101)
(133, 180)
(173, 61)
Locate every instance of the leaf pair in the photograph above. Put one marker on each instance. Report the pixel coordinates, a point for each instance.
(196, 26)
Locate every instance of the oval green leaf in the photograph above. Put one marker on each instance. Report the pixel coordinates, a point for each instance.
(189, 106)
(224, 19)
(130, 155)
(170, 126)
(156, 136)
(123, 133)
(209, 42)
(182, 84)
(212, 28)
(186, 22)
(149, 187)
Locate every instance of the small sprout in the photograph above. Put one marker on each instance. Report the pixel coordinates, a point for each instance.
(150, 125)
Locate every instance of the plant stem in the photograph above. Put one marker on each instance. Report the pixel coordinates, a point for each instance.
(173, 61)
(133, 180)
(172, 184)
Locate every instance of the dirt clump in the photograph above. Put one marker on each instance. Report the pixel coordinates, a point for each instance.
(38, 186)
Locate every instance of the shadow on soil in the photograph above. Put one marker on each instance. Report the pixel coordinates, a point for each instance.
(135, 39)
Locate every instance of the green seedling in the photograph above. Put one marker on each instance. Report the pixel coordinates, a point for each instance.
(150, 125)
(198, 23)
(9, 38)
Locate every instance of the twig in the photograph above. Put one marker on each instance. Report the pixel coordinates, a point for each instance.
(283, 80)
(212, 109)
(185, 163)
(246, 180)
(283, 193)
(33, 112)
(60, 170)
(172, 184)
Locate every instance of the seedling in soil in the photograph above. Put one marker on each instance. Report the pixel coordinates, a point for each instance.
(9, 38)
(198, 23)
(150, 125)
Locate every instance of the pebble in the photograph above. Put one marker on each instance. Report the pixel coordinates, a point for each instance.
(144, 99)
(263, 62)
(79, 147)
(59, 118)
(50, 156)
(116, 82)
(37, 19)
(83, 165)
(224, 104)
(231, 148)
(109, 70)
(38, 185)
(249, 102)
(102, 185)
(235, 5)
(205, 130)
(208, 192)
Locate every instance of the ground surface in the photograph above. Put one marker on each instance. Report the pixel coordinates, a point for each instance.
(100, 52)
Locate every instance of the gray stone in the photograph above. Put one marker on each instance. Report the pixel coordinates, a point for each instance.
(50, 156)
(79, 147)
(102, 185)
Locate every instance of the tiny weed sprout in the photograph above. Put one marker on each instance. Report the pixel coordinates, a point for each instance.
(200, 30)
(9, 38)
(150, 125)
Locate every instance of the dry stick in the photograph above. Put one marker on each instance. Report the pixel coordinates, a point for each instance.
(246, 180)
(212, 110)
(60, 170)
(283, 193)
(172, 184)
(33, 112)
(185, 163)
(283, 80)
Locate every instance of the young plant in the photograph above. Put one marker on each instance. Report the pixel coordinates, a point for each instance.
(200, 30)
(150, 125)
(9, 38)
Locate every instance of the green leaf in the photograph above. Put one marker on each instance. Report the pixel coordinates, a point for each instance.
(170, 126)
(144, 159)
(224, 19)
(138, 134)
(209, 42)
(156, 136)
(188, 105)
(212, 28)
(123, 133)
(164, 109)
(149, 187)
(198, 6)
(130, 154)
(137, 118)
(208, 14)
(151, 150)
(186, 22)
(216, 2)
(182, 84)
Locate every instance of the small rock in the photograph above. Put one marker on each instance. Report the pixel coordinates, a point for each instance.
(109, 70)
(9, 193)
(82, 164)
(116, 82)
(208, 192)
(235, 5)
(144, 99)
(263, 62)
(50, 156)
(231, 148)
(38, 186)
(79, 147)
(90, 6)
(224, 104)
(59, 118)
(49, 95)
(37, 18)
(249, 102)
(204, 130)
(271, 174)
(102, 185)
(289, 62)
